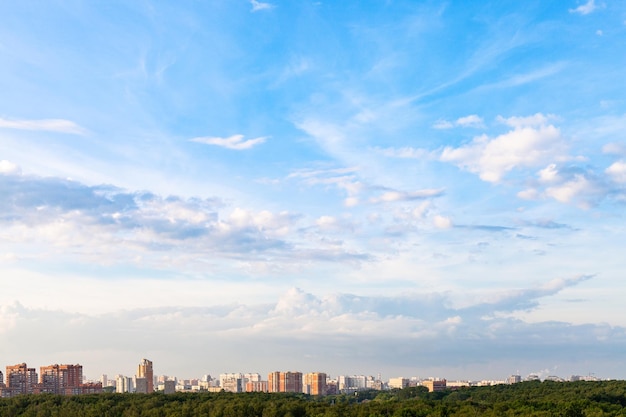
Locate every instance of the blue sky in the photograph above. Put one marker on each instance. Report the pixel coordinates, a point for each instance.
(412, 188)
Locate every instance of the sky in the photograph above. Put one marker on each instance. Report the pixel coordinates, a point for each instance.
(411, 188)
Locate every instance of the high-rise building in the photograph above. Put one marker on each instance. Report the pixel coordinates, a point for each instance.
(141, 385)
(291, 381)
(273, 381)
(144, 370)
(284, 381)
(61, 379)
(21, 379)
(124, 384)
(315, 383)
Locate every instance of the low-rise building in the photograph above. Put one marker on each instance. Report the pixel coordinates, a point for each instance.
(434, 384)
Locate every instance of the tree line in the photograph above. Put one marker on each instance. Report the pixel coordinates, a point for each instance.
(534, 398)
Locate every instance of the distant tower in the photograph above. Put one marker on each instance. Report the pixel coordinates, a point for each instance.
(145, 371)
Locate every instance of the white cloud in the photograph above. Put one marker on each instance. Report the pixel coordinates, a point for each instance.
(531, 143)
(614, 148)
(235, 142)
(442, 222)
(47, 125)
(343, 178)
(617, 171)
(567, 191)
(570, 185)
(390, 329)
(471, 120)
(586, 8)
(393, 196)
(258, 6)
(7, 167)
(327, 222)
(549, 174)
(535, 120)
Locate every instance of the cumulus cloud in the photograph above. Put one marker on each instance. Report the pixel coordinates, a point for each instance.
(532, 142)
(258, 6)
(586, 8)
(111, 225)
(46, 125)
(234, 142)
(418, 328)
(568, 184)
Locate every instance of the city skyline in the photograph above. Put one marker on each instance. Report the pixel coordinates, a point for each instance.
(68, 379)
(401, 187)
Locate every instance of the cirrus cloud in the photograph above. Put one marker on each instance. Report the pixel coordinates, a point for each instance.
(46, 125)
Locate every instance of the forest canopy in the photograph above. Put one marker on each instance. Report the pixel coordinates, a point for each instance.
(569, 399)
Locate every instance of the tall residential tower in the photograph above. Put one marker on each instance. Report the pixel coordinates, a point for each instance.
(145, 371)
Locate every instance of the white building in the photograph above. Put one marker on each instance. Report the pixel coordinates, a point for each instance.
(124, 384)
(352, 382)
(232, 382)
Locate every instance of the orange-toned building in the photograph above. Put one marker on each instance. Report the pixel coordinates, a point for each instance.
(273, 382)
(315, 383)
(284, 382)
(257, 386)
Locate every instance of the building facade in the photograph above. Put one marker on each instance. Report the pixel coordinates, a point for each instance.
(232, 382)
(315, 383)
(284, 381)
(398, 382)
(144, 370)
(20, 379)
(435, 384)
(60, 379)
